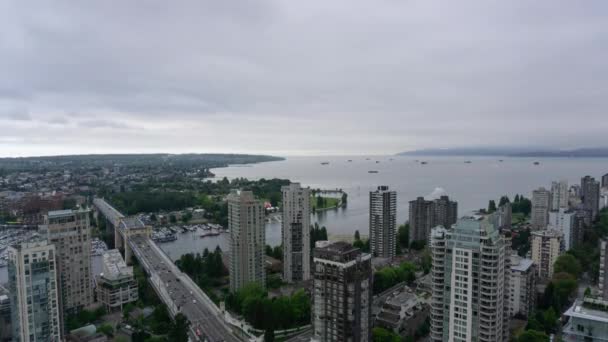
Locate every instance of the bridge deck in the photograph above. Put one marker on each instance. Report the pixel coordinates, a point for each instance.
(108, 211)
(184, 296)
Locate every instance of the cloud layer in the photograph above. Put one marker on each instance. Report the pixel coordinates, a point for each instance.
(300, 77)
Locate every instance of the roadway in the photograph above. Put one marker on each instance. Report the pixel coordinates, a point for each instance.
(204, 321)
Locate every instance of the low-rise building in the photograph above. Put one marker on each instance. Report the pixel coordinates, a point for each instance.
(588, 321)
(116, 286)
(402, 313)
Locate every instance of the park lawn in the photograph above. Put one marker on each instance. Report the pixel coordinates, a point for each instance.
(328, 202)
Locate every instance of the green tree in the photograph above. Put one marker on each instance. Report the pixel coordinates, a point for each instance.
(269, 335)
(503, 200)
(427, 261)
(404, 234)
(106, 329)
(567, 263)
(179, 329)
(357, 235)
(382, 335)
(549, 320)
(533, 336)
(491, 206)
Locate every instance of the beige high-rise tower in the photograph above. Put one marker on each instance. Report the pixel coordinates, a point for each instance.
(296, 233)
(247, 240)
(70, 232)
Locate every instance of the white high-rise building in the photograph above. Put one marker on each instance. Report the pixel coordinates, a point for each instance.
(296, 233)
(541, 201)
(563, 221)
(34, 292)
(547, 246)
(247, 240)
(559, 195)
(382, 222)
(470, 277)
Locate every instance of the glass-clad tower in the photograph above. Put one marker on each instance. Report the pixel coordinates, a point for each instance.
(470, 274)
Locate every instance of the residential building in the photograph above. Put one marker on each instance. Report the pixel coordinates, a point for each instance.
(402, 313)
(116, 286)
(587, 321)
(603, 280)
(247, 240)
(446, 212)
(541, 200)
(296, 233)
(470, 272)
(382, 222)
(522, 286)
(605, 181)
(563, 221)
(579, 226)
(70, 232)
(342, 293)
(421, 219)
(590, 195)
(604, 198)
(559, 195)
(547, 246)
(503, 216)
(34, 295)
(425, 215)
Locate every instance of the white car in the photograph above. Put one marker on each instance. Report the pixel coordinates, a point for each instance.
(194, 301)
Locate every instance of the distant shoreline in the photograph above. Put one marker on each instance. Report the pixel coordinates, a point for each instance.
(513, 153)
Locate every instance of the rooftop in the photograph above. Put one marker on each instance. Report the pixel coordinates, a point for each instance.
(589, 309)
(114, 265)
(520, 264)
(63, 213)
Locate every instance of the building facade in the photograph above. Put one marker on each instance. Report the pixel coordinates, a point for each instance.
(559, 195)
(541, 201)
(605, 181)
(522, 286)
(603, 280)
(116, 286)
(503, 216)
(70, 232)
(425, 215)
(587, 321)
(563, 221)
(470, 272)
(446, 212)
(590, 195)
(342, 293)
(247, 240)
(382, 222)
(296, 233)
(34, 293)
(547, 246)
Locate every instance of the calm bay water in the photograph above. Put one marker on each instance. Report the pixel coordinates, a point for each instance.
(471, 184)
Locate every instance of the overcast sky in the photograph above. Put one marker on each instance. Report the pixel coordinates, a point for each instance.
(300, 77)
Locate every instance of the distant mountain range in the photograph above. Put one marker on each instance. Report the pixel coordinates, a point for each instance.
(601, 152)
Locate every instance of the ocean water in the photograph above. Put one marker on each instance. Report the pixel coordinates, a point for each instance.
(472, 185)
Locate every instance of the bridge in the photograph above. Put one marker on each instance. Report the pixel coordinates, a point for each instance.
(207, 322)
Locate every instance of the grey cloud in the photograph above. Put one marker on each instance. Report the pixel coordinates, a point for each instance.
(315, 76)
(101, 123)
